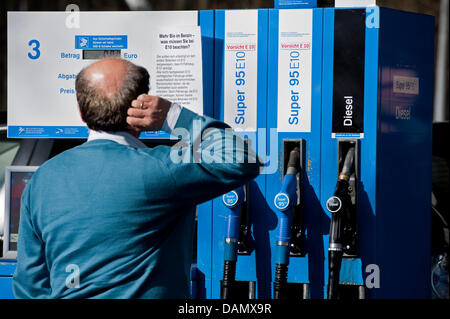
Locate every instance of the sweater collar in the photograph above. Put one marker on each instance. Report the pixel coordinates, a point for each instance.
(123, 138)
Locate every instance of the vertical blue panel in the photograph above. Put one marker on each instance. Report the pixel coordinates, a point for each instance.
(254, 266)
(404, 155)
(257, 188)
(308, 269)
(217, 243)
(367, 202)
(315, 217)
(329, 147)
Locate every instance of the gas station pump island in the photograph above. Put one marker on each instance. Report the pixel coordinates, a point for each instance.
(337, 102)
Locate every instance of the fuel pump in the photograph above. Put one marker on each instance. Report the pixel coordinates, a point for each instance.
(238, 238)
(343, 216)
(285, 201)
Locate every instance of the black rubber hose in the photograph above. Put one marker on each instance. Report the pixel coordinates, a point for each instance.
(336, 250)
(335, 261)
(280, 282)
(229, 275)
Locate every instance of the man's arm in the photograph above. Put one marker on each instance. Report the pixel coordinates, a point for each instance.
(210, 160)
(31, 278)
(214, 160)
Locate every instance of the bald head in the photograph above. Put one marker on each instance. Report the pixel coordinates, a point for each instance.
(105, 90)
(107, 76)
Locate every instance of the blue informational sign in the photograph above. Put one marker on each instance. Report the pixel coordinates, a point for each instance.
(72, 132)
(48, 131)
(100, 42)
(295, 4)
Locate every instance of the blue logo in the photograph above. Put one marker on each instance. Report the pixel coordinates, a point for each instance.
(230, 199)
(101, 42)
(83, 42)
(282, 201)
(334, 204)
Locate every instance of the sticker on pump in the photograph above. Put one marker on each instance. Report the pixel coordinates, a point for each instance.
(282, 201)
(230, 199)
(241, 69)
(334, 204)
(295, 70)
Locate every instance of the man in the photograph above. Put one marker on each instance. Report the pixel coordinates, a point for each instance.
(111, 218)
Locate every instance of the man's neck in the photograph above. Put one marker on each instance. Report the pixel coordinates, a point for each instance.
(125, 137)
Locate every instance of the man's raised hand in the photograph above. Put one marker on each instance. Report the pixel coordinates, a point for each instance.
(147, 113)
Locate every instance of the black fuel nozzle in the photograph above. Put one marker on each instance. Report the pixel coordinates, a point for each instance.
(338, 205)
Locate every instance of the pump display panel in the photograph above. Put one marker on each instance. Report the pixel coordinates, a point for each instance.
(100, 54)
(16, 179)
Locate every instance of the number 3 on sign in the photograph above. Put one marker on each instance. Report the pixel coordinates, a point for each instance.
(35, 54)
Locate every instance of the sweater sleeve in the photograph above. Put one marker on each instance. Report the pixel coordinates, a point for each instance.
(31, 278)
(209, 160)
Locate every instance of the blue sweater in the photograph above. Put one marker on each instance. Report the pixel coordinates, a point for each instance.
(121, 218)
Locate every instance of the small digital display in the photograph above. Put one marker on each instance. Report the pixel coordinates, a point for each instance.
(100, 54)
(18, 182)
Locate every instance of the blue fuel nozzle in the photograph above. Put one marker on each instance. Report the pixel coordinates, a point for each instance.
(287, 197)
(284, 201)
(233, 201)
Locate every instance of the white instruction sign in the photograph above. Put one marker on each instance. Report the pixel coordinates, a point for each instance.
(354, 3)
(241, 69)
(45, 54)
(295, 70)
(177, 67)
(406, 85)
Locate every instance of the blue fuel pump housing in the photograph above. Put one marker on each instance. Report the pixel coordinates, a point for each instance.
(378, 91)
